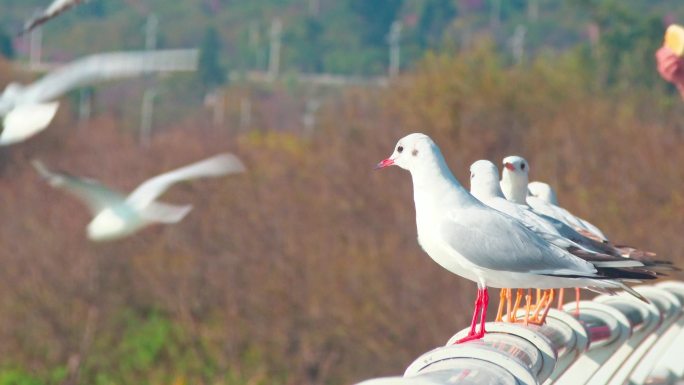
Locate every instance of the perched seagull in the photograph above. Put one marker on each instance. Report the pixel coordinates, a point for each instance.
(545, 193)
(53, 10)
(514, 181)
(28, 109)
(481, 244)
(485, 186)
(117, 216)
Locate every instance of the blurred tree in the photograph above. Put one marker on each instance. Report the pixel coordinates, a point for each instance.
(377, 17)
(305, 41)
(436, 16)
(97, 8)
(210, 71)
(6, 47)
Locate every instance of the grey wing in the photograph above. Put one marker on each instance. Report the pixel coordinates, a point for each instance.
(494, 241)
(107, 66)
(95, 195)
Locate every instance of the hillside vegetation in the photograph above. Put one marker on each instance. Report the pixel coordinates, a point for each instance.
(306, 269)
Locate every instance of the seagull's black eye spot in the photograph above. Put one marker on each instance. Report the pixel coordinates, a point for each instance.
(414, 152)
(522, 166)
(400, 149)
(472, 175)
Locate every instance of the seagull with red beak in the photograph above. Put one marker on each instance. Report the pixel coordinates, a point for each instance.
(481, 244)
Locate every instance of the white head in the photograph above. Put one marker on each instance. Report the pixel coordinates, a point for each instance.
(514, 178)
(543, 191)
(414, 152)
(484, 180)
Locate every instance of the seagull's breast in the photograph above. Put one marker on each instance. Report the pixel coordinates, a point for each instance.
(111, 224)
(429, 239)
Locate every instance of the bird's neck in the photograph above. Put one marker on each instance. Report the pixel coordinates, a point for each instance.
(514, 188)
(435, 188)
(489, 190)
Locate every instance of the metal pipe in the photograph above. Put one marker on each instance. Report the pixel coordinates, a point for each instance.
(663, 362)
(644, 319)
(607, 329)
(615, 340)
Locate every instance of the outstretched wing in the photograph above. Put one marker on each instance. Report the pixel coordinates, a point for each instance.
(95, 195)
(495, 241)
(52, 11)
(218, 165)
(107, 66)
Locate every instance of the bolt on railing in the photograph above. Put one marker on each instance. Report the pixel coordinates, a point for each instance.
(615, 340)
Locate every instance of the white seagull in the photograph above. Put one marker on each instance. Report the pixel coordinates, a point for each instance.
(28, 109)
(53, 10)
(479, 243)
(545, 193)
(514, 183)
(117, 215)
(484, 185)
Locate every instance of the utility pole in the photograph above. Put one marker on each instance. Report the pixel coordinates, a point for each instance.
(146, 116)
(274, 54)
(151, 29)
(532, 10)
(309, 118)
(518, 43)
(218, 100)
(35, 47)
(495, 15)
(84, 104)
(245, 113)
(147, 108)
(394, 39)
(314, 7)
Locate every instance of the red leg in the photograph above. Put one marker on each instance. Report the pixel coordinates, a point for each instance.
(481, 306)
(483, 317)
(478, 304)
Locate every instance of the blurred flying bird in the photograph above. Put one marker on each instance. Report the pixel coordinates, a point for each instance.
(117, 216)
(52, 11)
(28, 109)
(481, 244)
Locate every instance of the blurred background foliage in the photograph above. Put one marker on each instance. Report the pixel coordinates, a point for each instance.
(306, 270)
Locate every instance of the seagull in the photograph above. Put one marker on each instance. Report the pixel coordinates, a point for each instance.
(28, 109)
(53, 10)
(117, 216)
(514, 183)
(481, 244)
(546, 194)
(485, 186)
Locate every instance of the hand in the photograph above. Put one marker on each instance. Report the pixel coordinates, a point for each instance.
(671, 68)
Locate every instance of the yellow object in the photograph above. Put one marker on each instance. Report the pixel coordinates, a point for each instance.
(674, 39)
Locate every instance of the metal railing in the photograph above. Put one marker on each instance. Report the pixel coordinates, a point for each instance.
(615, 340)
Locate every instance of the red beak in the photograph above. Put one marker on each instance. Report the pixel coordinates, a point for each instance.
(385, 163)
(509, 166)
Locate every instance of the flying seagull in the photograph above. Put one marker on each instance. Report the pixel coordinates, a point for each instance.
(28, 109)
(52, 11)
(117, 215)
(484, 245)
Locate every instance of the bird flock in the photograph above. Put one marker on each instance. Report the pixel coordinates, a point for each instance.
(505, 232)
(510, 233)
(29, 109)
